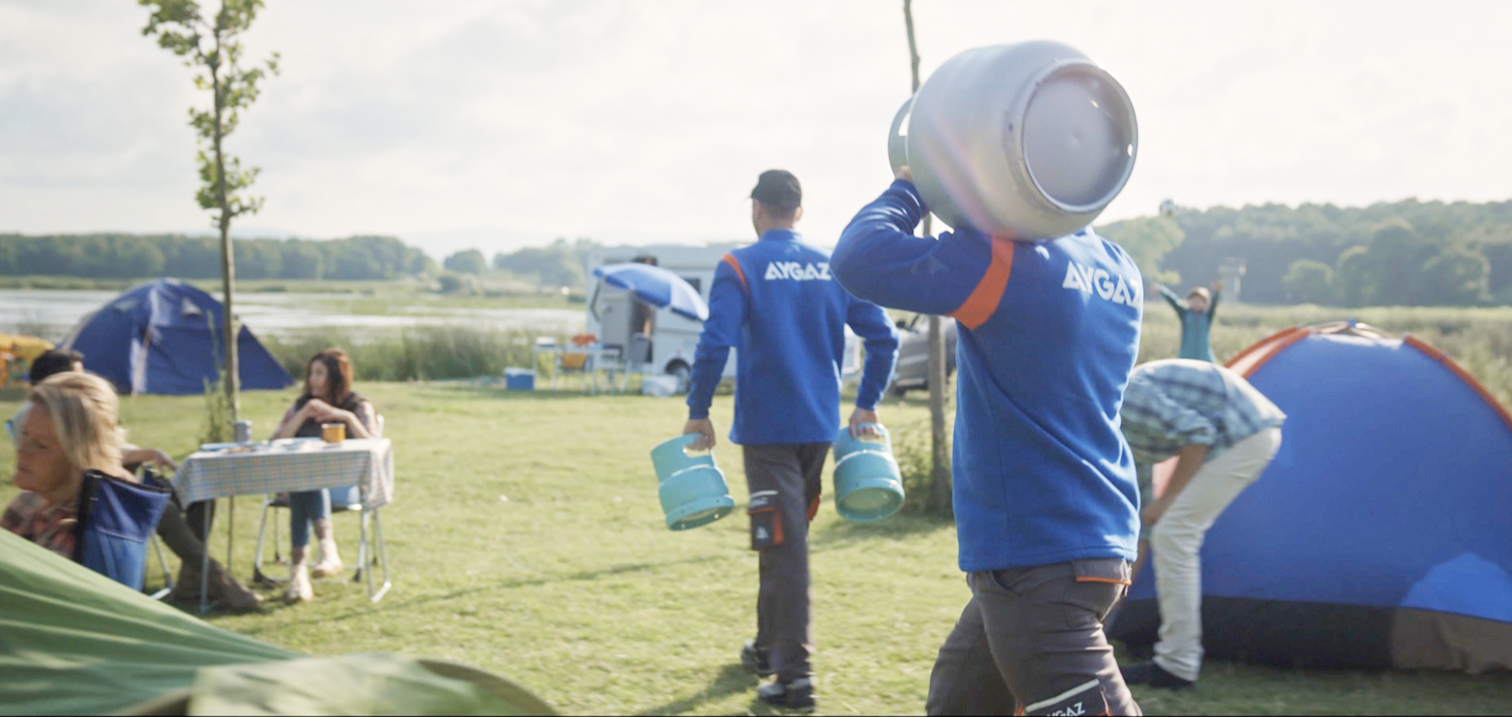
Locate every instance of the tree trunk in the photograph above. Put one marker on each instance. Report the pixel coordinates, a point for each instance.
(939, 472)
(228, 253)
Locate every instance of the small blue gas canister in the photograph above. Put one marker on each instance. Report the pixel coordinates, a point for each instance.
(692, 489)
(868, 484)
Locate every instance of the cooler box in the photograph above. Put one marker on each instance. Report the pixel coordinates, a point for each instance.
(519, 379)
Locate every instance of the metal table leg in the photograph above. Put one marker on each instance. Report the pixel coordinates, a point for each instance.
(378, 555)
(205, 563)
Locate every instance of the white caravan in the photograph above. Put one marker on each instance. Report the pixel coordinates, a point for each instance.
(657, 340)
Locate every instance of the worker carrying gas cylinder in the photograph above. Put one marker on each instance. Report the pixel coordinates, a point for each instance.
(776, 302)
(1018, 147)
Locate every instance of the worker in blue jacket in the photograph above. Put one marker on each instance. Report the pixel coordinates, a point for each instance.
(1046, 504)
(778, 304)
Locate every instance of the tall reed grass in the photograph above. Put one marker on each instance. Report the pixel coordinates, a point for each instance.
(421, 353)
(1480, 340)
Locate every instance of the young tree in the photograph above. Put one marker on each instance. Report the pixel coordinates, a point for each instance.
(212, 43)
(940, 498)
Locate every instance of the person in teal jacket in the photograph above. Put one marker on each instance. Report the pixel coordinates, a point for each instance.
(1196, 314)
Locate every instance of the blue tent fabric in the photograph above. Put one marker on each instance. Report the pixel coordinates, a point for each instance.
(1392, 490)
(162, 337)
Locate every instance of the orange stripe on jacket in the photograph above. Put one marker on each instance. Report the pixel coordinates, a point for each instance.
(735, 264)
(983, 302)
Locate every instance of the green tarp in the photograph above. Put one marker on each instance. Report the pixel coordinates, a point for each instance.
(75, 642)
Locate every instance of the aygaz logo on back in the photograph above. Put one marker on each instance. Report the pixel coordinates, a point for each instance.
(1091, 280)
(797, 271)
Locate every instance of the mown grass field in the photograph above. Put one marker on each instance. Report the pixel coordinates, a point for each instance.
(526, 538)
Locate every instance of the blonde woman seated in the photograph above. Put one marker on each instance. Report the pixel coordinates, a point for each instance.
(180, 529)
(71, 433)
(328, 398)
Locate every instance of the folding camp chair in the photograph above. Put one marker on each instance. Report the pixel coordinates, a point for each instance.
(157, 549)
(116, 519)
(578, 357)
(150, 477)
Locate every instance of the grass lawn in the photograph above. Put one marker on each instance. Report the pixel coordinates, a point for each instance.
(526, 538)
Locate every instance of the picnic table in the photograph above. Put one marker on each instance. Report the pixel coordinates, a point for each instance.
(292, 465)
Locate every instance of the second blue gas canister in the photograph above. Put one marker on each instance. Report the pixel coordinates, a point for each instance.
(691, 487)
(868, 484)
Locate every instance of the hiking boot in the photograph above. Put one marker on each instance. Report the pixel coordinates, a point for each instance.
(1149, 673)
(300, 589)
(330, 561)
(794, 696)
(755, 659)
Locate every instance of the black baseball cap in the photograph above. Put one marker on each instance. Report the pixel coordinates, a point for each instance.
(778, 188)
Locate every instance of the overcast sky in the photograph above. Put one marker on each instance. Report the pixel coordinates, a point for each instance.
(496, 124)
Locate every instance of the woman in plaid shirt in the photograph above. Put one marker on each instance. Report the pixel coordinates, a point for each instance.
(73, 431)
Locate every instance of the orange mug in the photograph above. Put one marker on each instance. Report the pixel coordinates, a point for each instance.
(333, 432)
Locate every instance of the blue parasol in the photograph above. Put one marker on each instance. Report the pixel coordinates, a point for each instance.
(657, 287)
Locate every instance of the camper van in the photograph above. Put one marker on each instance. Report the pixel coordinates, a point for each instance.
(657, 340)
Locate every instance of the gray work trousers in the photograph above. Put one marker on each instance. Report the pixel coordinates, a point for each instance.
(788, 476)
(1032, 639)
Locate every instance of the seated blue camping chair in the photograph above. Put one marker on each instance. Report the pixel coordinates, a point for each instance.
(150, 477)
(116, 519)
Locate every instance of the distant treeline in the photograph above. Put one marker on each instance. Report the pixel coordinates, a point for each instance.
(559, 263)
(132, 256)
(1407, 253)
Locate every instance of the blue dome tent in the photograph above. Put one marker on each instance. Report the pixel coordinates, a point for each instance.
(1381, 534)
(163, 337)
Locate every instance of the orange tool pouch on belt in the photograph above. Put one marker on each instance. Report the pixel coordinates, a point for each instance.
(766, 520)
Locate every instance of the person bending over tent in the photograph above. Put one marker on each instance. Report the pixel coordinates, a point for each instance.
(778, 304)
(1223, 433)
(1044, 487)
(328, 398)
(177, 527)
(1196, 315)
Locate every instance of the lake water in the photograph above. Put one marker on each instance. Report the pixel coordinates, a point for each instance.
(54, 313)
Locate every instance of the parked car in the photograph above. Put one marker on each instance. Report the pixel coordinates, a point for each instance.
(912, 371)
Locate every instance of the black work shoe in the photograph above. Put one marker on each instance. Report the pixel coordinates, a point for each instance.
(1149, 673)
(795, 696)
(755, 659)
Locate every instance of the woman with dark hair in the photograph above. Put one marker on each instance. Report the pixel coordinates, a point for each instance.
(328, 398)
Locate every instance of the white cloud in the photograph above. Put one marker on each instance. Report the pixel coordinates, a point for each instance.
(499, 123)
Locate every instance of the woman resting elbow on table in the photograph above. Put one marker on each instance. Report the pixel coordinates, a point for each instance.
(328, 398)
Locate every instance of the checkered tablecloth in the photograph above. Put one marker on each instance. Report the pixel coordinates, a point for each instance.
(291, 466)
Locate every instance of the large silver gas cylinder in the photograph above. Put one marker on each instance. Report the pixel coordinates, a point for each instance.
(1024, 141)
